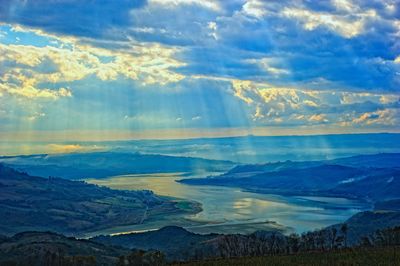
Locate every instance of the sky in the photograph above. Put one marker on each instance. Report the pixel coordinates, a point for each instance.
(105, 70)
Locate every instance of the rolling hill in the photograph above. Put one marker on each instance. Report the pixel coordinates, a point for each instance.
(106, 164)
(370, 177)
(72, 207)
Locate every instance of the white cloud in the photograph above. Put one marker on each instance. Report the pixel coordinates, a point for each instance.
(318, 118)
(360, 97)
(254, 8)
(26, 67)
(213, 27)
(347, 25)
(35, 116)
(345, 5)
(272, 104)
(270, 65)
(387, 117)
(208, 4)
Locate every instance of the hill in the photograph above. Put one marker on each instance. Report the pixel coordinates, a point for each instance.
(366, 223)
(175, 242)
(72, 207)
(370, 177)
(46, 248)
(179, 244)
(106, 164)
(328, 246)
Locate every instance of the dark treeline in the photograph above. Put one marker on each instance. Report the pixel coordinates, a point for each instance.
(272, 243)
(49, 249)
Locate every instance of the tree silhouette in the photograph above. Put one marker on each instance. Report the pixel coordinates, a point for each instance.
(344, 228)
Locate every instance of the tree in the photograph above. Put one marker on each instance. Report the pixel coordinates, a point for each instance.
(293, 243)
(344, 228)
(143, 258)
(333, 234)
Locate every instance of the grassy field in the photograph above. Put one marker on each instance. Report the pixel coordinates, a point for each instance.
(362, 257)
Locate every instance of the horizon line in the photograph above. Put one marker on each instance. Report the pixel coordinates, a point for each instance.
(172, 134)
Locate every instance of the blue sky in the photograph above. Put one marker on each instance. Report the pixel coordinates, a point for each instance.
(184, 68)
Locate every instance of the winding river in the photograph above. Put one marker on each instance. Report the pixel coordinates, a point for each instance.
(231, 210)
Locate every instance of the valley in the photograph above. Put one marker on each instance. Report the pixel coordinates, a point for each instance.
(232, 210)
(183, 212)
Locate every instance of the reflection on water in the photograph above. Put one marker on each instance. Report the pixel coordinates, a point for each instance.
(227, 206)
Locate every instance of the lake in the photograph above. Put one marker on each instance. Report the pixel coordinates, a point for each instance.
(232, 210)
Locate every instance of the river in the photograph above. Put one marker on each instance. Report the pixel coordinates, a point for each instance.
(232, 210)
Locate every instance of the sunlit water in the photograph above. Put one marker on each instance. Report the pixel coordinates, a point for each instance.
(237, 210)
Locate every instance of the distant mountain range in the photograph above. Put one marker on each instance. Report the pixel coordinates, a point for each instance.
(74, 207)
(106, 164)
(259, 149)
(371, 177)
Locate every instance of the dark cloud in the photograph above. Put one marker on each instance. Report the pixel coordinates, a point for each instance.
(88, 18)
(363, 61)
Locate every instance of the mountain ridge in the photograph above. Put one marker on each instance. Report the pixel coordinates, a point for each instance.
(109, 163)
(370, 177)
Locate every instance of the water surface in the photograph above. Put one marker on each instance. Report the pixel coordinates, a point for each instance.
(230, 210)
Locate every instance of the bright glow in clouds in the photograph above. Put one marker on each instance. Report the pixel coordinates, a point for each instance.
(273, 105)
(25, 67)
(191, 68)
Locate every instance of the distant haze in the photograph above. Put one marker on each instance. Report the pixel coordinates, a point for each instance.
(249, 149)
